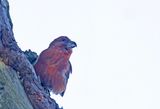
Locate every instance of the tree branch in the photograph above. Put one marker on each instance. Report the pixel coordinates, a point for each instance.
(13, 56)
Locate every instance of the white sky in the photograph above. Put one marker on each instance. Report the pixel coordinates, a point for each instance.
(117, 62)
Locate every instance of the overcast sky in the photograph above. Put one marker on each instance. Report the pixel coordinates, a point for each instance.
(117, 62)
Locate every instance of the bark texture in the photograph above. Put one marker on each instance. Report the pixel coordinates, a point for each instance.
(10, 97)
(12, 56)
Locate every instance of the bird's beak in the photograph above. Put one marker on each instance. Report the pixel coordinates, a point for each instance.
(71, 44)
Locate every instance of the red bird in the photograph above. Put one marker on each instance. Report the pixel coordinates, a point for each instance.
(53, 65)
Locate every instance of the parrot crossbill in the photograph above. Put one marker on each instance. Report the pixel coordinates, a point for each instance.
(53, 65)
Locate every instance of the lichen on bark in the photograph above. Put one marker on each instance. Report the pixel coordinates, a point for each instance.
(12, 94)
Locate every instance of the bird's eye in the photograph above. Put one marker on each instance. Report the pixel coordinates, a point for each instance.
(64, 40)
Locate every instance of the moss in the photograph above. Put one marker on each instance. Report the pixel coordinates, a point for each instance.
(12, 95)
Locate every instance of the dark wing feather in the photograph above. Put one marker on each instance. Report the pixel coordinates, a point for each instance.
(67, 76)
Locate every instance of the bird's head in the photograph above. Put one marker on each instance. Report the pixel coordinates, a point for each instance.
(63, 42)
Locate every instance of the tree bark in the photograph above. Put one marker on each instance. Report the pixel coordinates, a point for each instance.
(13, 56)
(12, 94)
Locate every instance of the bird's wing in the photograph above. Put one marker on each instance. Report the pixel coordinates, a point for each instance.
(67, 76)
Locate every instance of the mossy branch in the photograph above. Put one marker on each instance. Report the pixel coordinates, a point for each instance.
(12, 56)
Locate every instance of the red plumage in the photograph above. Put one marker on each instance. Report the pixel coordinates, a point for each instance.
(53, 65)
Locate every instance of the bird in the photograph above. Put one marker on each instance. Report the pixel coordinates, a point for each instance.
(53, 66)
